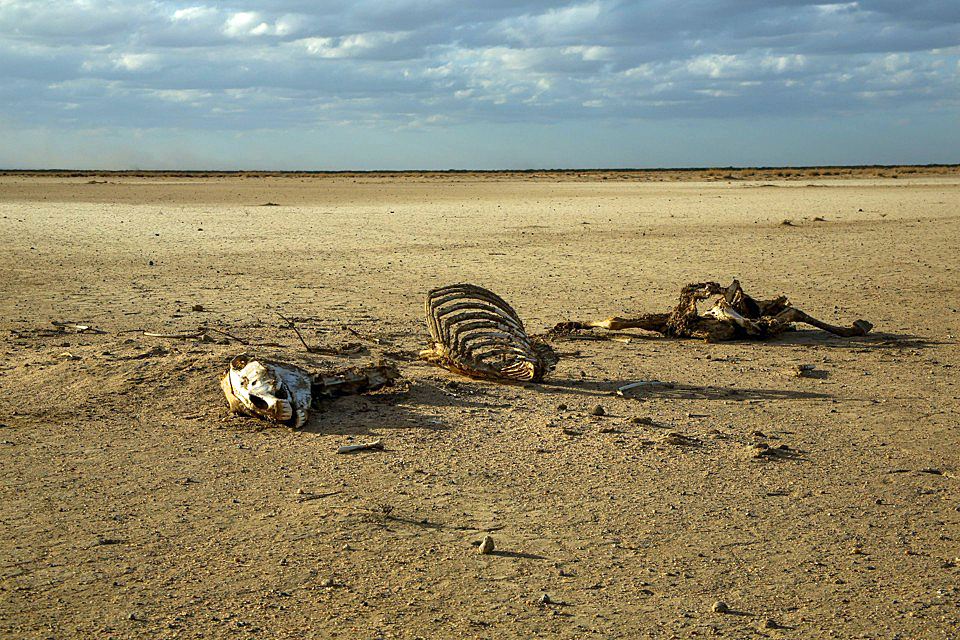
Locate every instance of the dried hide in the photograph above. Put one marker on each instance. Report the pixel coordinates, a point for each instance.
(734, 316)
(284, 393)
(477, 334)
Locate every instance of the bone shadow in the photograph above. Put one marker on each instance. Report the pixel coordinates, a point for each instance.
(677, 391)
(388, 409)
(873, 340)
(516, 554)
(796, 337)
(370, 420)
(583, 386)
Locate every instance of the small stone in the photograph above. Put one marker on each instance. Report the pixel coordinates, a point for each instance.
(486, 546)
(770, 623)
(803, 371)
(720, 607)
(197, 307)
(561, 407)
(598, 411)
(545, 599)
(329, 582)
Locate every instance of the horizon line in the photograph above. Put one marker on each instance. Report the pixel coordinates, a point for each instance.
(84, 171)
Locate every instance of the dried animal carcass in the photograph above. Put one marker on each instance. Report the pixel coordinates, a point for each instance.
(734, 315)
(284, 393)
(476, 333)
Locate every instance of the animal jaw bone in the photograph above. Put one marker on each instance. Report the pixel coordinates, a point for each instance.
(735, 315)
(477, 334)
(354, 380)
(284, 393)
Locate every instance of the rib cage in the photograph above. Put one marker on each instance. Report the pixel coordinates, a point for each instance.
(478, 334)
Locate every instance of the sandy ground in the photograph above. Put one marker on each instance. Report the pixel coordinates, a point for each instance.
(134, 506)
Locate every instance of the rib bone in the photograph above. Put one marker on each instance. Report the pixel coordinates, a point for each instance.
(477, 334)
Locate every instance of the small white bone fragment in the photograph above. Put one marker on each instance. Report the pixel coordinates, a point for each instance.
(80, 328)
(350, 448)
(634, 385)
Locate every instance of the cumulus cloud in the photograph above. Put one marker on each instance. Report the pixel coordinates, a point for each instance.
(357, 45)
(193, 14)
(244, 24)
(136, 61)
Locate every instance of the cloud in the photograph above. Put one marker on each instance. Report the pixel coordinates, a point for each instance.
(245, 24)
(357, 45)
(193, 14)
(428, 64)
(136, 61)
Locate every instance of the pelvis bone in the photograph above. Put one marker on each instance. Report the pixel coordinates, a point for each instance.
(477, 334)
(285, 393)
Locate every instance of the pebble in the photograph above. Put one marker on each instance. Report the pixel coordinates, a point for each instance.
(598, 411)
(486, 546)
(720, 607)
(561, 407)
(545, 599)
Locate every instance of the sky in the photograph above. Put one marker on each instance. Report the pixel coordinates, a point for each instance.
(477, 84)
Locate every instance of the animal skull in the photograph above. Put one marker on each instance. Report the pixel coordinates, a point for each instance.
(275, 391)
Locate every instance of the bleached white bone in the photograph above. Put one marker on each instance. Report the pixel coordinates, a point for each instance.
(724, 311)
(275, 391)
(350, 448)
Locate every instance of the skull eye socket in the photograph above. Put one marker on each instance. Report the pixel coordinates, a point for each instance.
(281, 393)
(259, 403)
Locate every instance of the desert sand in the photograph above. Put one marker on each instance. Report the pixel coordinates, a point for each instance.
(133, 505)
